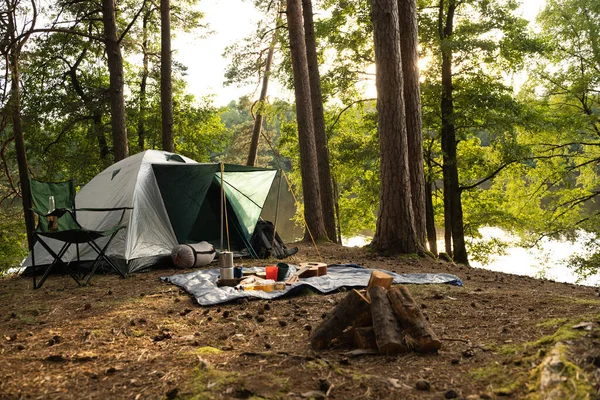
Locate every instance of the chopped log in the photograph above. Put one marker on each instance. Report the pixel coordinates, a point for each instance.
(364, 338)
(364, 318)
(388, 333)
(424, 339)
(341, 317)
(379, 278)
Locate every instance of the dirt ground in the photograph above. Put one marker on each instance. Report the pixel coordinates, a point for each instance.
(140, 338)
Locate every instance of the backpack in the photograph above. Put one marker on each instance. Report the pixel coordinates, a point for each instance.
(263, 244)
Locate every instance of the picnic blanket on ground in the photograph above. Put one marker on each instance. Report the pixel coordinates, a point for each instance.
(202, 284)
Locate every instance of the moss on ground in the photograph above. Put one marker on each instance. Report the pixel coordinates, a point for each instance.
(207, 350)
(501, 379)
(210, 383)
(514, 375)
(575, 384)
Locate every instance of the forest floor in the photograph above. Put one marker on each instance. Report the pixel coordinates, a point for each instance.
(140, 338)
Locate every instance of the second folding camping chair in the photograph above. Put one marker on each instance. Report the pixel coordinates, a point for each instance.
(54, 203)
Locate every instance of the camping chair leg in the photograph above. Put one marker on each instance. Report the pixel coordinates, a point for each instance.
(57, 260)
(102, 255)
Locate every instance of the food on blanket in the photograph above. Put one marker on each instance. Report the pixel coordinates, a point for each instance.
(265, 287)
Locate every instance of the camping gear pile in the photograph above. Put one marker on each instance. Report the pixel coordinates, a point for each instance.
(382, 320)
(202, 283)
(193, 255)
(267, 279)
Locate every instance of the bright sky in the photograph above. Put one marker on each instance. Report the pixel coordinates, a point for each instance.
(231, 21)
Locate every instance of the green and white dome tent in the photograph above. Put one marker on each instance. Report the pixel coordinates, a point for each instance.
(175, 200)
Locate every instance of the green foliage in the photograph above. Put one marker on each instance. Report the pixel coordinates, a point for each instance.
(354, 150)
(13, 239)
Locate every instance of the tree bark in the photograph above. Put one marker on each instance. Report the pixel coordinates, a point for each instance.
(15, 112)
(421, 336)
(364, 338)
(349, 310)
(395, 231)
(166, 89)
(430, 217)
(306, 137)
(143, 83)
(256, 129)
(388, 334)
(453, 217)
(409, 44)
(115, 70)
(325, 186)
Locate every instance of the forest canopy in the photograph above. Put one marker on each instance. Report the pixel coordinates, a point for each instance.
(510, 110)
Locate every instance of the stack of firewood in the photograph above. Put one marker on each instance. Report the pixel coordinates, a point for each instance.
(383, 318)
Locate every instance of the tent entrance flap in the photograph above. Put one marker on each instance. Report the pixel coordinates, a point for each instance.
(192, 195)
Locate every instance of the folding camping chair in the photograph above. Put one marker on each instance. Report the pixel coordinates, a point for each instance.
(54, 203)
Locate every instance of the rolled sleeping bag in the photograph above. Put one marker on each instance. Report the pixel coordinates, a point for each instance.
(193, 255)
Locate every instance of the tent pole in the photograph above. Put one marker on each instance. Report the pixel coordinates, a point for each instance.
(222, 202)
(276, 209)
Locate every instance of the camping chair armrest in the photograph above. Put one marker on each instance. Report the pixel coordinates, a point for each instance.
(58, 212)
(122, 209)
(105, 209)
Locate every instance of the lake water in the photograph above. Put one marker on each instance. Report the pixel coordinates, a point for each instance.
(547, 261)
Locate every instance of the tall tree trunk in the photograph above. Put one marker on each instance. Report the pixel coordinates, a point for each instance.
(15, 100)
(325, 186)
(166, 89)
(409, 44)
(98, 132)
(395, 230)
(447, 214)
(115, 70)
(430, 219)
(143, 83)
(253, 152)
(15, 115)
(452, 202)
(306, 136)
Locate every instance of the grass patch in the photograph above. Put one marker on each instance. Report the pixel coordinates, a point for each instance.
(565, 332)
(565, 299)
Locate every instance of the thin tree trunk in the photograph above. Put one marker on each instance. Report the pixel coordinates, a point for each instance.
(395, 230)
(115, 70)
(452, 202)
(98, 132)
(166, 89)
(253, 152)
(306, 137)
(325, 186)
(15, 113)
(430, 217)
(447, 213)
(15, 110)
(409, 44)
(143, 84)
